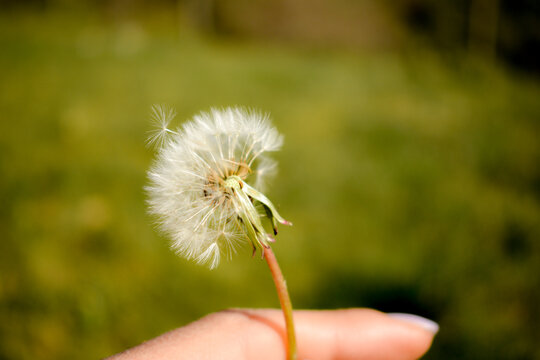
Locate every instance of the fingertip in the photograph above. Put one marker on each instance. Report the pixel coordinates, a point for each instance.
(414, 334)
(360, 334)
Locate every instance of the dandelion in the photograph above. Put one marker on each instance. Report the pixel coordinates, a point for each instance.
(204, 188)
(201, 183)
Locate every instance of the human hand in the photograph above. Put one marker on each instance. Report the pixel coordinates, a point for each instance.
(242, 334)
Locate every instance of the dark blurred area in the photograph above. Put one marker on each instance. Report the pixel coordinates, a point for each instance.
(496, 29)
(411, 165)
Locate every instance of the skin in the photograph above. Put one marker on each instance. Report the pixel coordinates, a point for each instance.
(260, 334)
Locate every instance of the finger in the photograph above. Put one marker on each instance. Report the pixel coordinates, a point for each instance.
(348, 334)
(260, 334)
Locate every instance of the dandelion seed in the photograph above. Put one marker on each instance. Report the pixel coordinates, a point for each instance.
(161, 117)
(203, 184)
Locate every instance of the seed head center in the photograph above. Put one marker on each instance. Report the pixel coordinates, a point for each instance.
(233, 182)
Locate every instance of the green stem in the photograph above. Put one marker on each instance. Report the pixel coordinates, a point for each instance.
(284, 300)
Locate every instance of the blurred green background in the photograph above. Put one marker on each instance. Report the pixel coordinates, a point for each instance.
(411, 165)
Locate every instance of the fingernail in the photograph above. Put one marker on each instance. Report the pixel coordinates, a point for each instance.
(422, 322)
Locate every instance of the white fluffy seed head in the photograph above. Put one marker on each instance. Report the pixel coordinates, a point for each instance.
(187, 188)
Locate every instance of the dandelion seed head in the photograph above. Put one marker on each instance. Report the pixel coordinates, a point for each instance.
(200, 183)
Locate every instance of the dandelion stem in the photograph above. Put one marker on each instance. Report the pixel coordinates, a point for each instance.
(284, 300)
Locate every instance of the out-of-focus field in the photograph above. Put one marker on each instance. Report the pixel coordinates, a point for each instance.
(413, 182)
